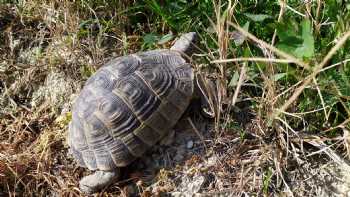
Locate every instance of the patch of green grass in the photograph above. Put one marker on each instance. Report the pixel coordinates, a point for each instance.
(267, 181)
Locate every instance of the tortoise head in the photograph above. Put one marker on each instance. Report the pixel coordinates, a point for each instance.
(186, 43)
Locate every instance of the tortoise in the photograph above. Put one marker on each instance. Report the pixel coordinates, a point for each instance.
(126, 107)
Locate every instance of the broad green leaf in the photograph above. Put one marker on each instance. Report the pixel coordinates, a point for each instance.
(308, 48)
(289, 47)
(257, 17)
(299, 44)
(285, 31)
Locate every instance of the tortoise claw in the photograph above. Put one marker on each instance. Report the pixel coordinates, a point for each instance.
(97, 181)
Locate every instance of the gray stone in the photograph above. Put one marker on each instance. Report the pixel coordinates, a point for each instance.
(189, 144)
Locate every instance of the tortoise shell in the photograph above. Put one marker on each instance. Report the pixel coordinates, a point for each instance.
(127, 106)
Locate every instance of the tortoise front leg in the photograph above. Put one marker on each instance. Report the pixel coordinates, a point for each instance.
(98, 180)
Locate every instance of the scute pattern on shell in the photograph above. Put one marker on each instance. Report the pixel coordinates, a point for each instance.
(127, 106)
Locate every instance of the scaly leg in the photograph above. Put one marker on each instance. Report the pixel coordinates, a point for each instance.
(98, 180)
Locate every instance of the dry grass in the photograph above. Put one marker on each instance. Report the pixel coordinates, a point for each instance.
(43, 64)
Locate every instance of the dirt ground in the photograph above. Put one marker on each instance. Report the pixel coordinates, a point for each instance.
(43, 66)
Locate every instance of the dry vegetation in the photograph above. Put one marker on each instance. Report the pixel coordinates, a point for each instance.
(282, 110)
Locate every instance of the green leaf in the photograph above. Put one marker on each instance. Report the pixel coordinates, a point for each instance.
(257, 17)
(285, 31)
(149, 40)
(300, 44)
(166, 38)
(308, 49)
(266, 180)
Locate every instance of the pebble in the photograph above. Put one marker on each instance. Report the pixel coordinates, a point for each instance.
(196, 184)
(189, 187)
(189, 144)
(212, 161)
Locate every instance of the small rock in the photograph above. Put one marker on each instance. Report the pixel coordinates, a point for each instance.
(177, 194)
(196, 184)
(189, 186)
(212, 161)
(189, 144)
